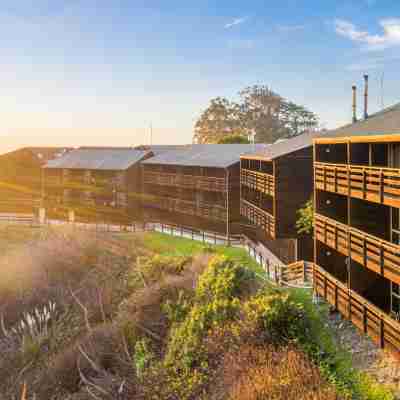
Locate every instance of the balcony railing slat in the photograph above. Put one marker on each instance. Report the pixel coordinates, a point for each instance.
(258, 217)
(379, 185)
(373, 253)
(259, 181)
(206, 183)
(384, 330)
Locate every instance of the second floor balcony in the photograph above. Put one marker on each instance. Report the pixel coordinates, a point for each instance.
(380, 256)
(260, 181)
(206, 183)
(195, 208)
(258, 217)
(375, 184)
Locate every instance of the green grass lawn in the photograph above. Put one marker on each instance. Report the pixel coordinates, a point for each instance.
(12, 236)
(165, 244)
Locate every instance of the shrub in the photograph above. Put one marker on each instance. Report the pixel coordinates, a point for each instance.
(267, 372)
(277, 316)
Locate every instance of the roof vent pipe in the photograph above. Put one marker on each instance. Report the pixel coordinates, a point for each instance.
(354, 88)
(366, 97)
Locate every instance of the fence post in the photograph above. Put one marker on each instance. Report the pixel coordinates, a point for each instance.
(365, 325)
(381, 333)
(203, 238)
(215, 238)
(276, 274)
(268, 269)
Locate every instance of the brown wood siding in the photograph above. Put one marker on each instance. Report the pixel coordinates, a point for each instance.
(293, 188)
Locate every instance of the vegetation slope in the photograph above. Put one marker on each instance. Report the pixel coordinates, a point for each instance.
(153, 317)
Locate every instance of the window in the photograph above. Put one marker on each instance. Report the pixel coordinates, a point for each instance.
(395, 225)
(395, 301)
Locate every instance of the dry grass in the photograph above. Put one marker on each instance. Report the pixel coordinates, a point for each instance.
(255, 373)
(90, 351)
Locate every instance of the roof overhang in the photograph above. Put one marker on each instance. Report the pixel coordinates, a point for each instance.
(258, 157)
(385, 138)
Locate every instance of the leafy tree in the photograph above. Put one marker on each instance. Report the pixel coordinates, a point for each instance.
(260, 112)
(305, 222)
(220, 119)
(234, 138)
(260, 108)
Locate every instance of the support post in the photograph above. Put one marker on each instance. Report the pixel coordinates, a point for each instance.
(227, 207)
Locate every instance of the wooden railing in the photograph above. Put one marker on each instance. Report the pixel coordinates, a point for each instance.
(371, 252)
(207, 183)
(298, 273)
(258, 217)
(199, 209)
(383, 330)
(379, 185)
(259, 181)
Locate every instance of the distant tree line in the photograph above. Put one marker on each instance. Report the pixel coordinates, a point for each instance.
(260, 113)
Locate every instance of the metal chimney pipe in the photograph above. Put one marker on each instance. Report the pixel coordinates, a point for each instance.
(366, 97)
(354, 88)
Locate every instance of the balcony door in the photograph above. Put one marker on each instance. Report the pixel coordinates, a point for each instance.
(394, 155)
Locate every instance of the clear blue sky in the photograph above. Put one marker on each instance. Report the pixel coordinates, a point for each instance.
(97, 72)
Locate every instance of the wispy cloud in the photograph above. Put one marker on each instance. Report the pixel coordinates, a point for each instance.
(290, 28)
(242, 44)
(236, 21)
(389, 38)
(373, 63)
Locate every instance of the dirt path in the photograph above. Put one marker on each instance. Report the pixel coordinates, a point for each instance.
(367, 356)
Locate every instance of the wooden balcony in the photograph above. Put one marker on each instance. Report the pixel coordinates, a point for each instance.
(379, 185)
(259, 181)
(199, 209)
(258, 217)
(206, 183)
(383, 329)
(371, 252)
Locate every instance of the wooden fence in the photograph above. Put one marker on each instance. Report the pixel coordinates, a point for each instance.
(372, 321)
(185, 181)
(264, 183)
(199, 209)
(299, 273)
(379, 185)
(258, 217)
(378, 255)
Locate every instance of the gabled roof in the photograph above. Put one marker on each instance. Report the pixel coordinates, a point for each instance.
(96, 158)
(385, 122)
(157, 149)
(205, 155)
(285, 146)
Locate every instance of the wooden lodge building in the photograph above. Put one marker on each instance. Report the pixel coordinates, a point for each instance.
(275, 184)
(96, 176)
(196, 186)
(357, 223)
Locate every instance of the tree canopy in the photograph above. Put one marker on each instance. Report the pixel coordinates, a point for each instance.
(260, 112)
(234, 139)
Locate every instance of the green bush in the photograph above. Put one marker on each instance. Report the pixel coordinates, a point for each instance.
(335, 364)
(278, 316)
(215, 302)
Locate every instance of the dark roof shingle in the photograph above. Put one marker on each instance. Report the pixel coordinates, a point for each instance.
(287, 146)
(385, 122)
(205, 155)
(98, 159)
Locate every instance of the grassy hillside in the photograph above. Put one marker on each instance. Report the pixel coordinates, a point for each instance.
(154, 317)
(19, 181)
